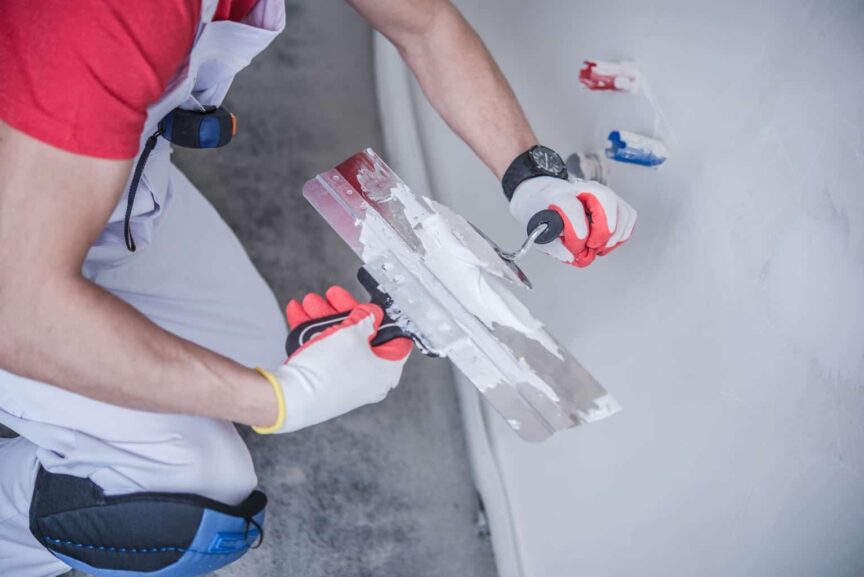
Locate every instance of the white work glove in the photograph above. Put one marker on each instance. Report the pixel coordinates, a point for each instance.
(596, 220)
(337, 370)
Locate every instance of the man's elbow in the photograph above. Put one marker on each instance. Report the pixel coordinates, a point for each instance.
(21, 303)
(7, 324)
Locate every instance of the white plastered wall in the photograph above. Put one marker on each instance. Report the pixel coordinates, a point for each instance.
(731, 329)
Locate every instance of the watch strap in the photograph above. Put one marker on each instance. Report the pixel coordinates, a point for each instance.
(521, 169)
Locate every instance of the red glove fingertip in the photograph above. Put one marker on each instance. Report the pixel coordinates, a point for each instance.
(363, 311)
(569, 238)
(606, 251)
(295, 314)
(394, 350)
(340, 299)
(598, 225)
(317, 306)
(584, 258)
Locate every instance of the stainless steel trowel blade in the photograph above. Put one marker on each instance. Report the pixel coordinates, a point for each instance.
(511, 264)
(528, 377)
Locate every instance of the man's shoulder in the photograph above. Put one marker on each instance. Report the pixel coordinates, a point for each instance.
(81, 75)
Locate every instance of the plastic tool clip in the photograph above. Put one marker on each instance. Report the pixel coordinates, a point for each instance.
(209, 128)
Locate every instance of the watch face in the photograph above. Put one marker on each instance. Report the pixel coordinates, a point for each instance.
(547, 160)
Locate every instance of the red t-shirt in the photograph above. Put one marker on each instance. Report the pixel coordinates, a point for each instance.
(80, 74)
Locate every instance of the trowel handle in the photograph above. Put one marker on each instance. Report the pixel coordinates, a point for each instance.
(388, 330)
(303, 333)
(554, 225)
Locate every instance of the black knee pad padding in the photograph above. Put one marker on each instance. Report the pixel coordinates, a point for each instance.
(142, 532)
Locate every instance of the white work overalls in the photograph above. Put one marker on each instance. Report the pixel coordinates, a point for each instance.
(191, 276)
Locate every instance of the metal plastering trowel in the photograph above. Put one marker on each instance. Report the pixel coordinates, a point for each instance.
(441, 281)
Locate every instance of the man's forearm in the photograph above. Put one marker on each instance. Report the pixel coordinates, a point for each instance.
(73, 334)
(58, 328)
(466, 87)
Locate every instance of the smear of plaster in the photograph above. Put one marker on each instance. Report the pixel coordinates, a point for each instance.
(461, 260)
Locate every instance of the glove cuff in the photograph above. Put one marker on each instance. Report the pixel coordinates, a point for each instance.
(280, 399)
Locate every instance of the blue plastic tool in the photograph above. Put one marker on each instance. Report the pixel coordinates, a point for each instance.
(636, 149)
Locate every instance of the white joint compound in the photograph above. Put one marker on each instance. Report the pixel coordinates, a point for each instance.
(451, 289)
(465, 264)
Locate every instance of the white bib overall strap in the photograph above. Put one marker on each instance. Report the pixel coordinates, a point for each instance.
(220, 50)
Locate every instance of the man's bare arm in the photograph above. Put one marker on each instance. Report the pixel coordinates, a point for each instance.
(457, 74)
(57, 327)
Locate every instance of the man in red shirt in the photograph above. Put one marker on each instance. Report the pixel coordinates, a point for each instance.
(123, 363)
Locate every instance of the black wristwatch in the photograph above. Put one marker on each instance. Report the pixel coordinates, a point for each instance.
(536, 161)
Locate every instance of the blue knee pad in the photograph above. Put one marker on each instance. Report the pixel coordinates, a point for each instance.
(157, 534)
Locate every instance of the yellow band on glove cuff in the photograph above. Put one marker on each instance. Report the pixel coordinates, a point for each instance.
(280, 398)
